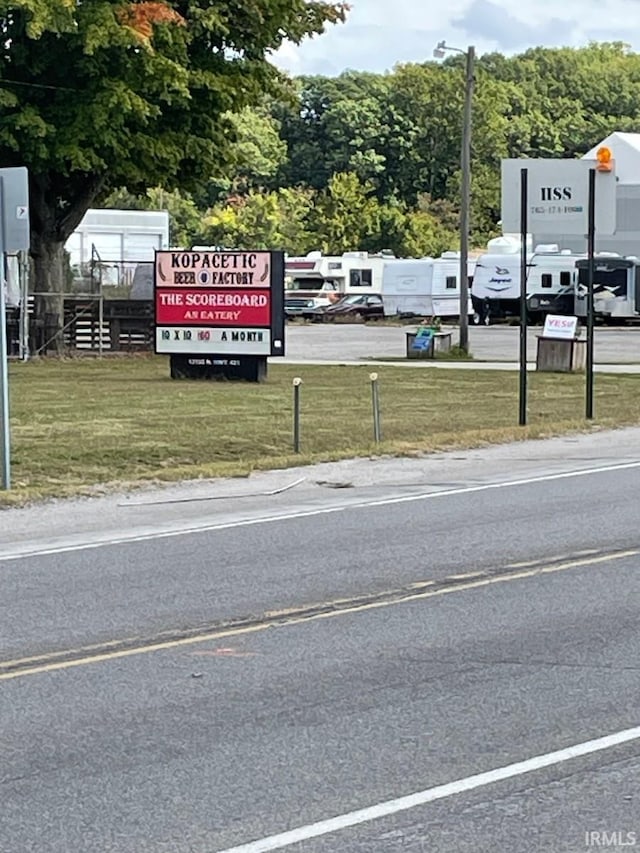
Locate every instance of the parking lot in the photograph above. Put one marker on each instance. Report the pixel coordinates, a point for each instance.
(355, 342)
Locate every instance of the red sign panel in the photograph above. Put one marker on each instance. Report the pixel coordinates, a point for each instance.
(179, 306)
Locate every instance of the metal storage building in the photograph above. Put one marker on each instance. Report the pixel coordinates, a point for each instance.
(625, 148)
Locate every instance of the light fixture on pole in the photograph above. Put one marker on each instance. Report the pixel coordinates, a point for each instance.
(465, 190)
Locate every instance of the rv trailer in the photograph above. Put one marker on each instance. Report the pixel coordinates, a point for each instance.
(550, 285)
(551, 282)
(424, 287)
(315, 280)
(616, 288)
(495, 292)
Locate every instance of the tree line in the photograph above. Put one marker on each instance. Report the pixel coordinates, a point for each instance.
(371, 161)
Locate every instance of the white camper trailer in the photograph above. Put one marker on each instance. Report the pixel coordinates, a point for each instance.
(550, 286)
(552, 276)
(317, 280)
(616, 287)
(121, 244)
(427, 287)
(496, 281)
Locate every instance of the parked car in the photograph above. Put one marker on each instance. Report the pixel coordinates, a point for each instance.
(368, 306)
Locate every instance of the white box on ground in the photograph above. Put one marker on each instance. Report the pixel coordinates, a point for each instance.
(558, 196)
(558, 326)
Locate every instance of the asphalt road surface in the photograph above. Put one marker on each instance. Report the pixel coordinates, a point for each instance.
(403, 655)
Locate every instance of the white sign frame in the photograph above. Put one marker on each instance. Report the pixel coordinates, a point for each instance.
(558, 196)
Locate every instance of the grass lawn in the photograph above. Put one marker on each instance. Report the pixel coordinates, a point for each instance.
(83, 423)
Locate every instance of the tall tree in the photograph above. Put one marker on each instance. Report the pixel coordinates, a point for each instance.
(258, 152)
(335, 125)
(278, 219)
(112, 93)
(346, 214)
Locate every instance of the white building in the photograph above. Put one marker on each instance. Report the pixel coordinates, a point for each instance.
(625, 149)
(119, 235)
(117, 241)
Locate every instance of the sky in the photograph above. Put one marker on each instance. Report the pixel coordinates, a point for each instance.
(379, 34)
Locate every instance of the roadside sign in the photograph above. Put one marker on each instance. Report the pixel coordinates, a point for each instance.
(558, 326)
(558, 196)
(15, 208)
(219, 303)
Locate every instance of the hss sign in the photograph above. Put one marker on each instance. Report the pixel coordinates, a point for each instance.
(555, 193)
(558, 197)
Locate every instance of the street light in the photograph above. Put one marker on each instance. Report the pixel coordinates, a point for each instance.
(465, 192)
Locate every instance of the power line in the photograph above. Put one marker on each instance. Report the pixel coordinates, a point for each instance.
(37, 85)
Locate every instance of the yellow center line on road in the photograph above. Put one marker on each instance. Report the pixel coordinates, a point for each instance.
(545, 561)
(23, 667)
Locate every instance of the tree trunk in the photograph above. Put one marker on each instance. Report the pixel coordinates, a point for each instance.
(48, 285)
(56, 208)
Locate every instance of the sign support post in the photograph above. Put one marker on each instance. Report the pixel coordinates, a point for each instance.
(4, 368)
(14, 237)
(524, 174)
(562, 196)
(591, 230)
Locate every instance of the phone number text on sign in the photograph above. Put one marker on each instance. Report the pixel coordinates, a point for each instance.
(179, 306)
(213, 269)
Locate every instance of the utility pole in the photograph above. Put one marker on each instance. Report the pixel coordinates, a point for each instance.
(465, 189)
(465, 198)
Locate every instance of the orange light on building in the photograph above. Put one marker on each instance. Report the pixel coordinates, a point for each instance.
(603, 156)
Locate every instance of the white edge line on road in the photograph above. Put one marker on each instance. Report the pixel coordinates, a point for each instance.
(421, 798)
(310, 513)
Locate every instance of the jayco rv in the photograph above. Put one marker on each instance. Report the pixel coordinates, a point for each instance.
(427, 287)
(551, 280)
(496, 280)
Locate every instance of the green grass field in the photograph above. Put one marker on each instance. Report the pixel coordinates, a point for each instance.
(83, 424)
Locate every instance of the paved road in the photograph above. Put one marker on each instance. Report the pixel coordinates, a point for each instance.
(352, 342)
(366, 668)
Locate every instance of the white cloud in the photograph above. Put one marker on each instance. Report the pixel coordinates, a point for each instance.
(379, 34)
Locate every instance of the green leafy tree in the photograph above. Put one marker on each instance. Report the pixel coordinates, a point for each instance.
(336, 124)
(424, 236)
(110, 93)
(563, 99)
(258, 152)
(346, 215)
(279, 219)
